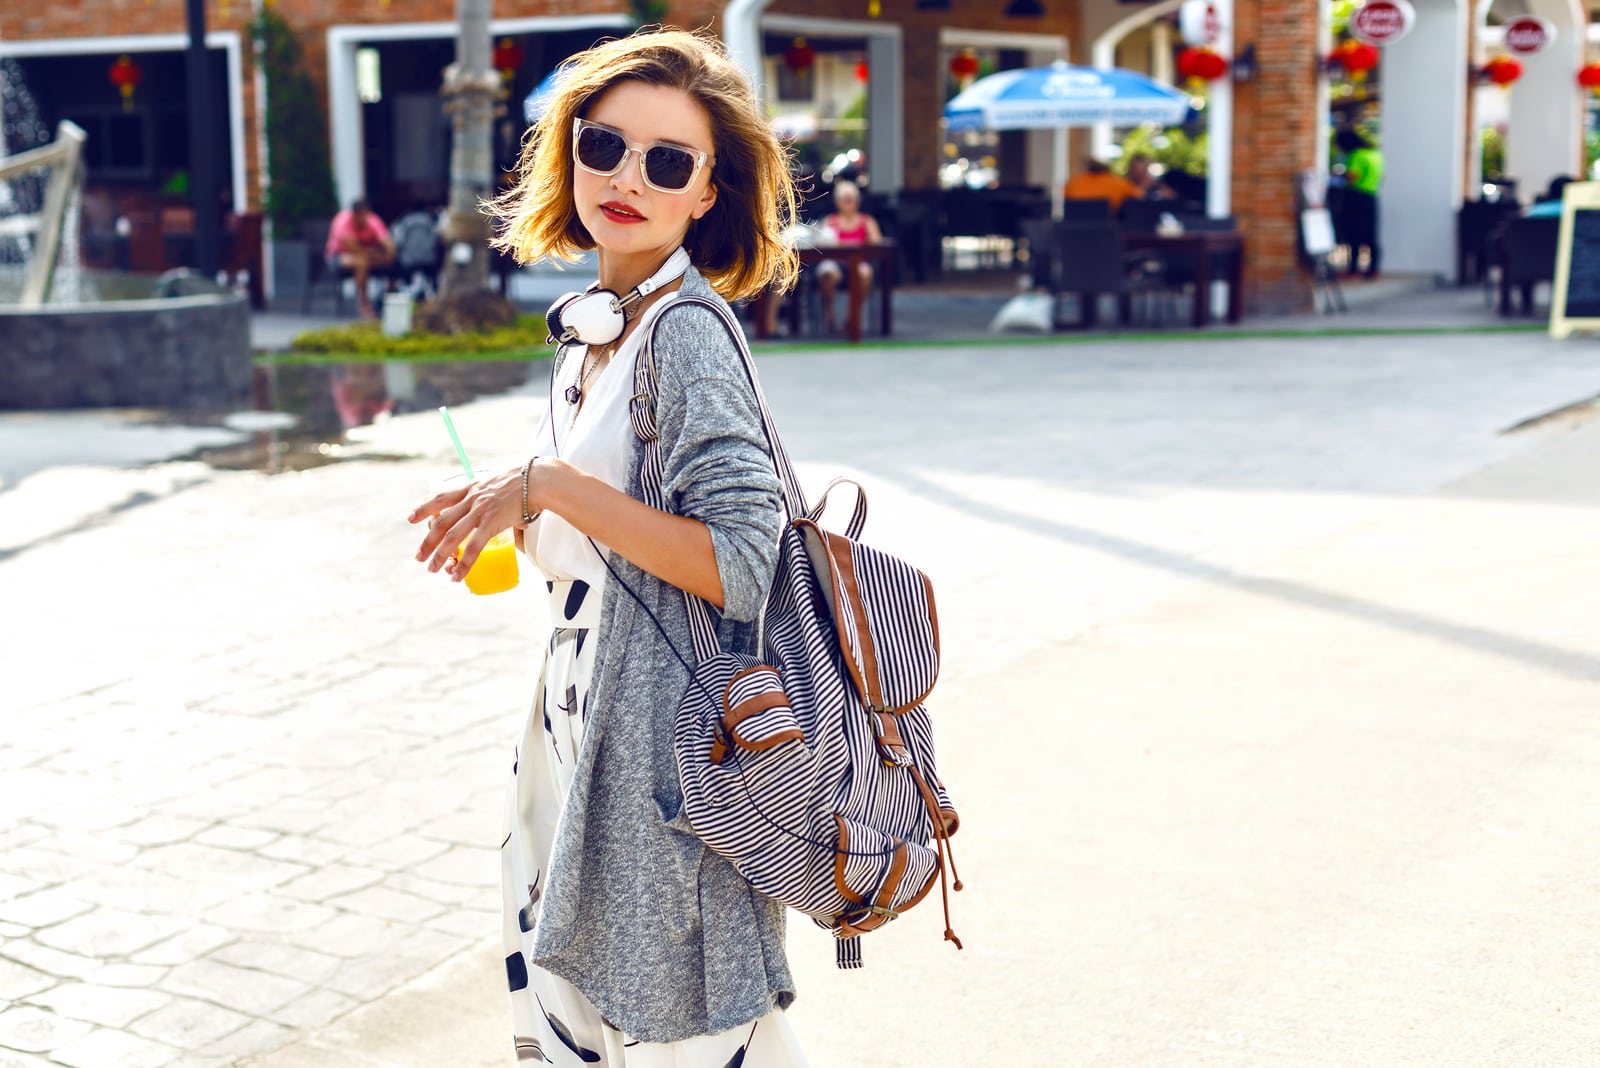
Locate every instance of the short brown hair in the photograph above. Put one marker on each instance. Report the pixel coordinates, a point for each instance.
(738, 244)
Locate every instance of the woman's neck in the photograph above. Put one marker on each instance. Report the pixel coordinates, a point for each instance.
(622, 273)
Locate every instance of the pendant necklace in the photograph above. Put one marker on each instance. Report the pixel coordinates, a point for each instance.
(574, 392)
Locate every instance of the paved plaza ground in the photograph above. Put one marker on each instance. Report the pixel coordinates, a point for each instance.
(1267, 699)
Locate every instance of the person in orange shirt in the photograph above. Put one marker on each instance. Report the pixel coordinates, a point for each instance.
(1096, 182)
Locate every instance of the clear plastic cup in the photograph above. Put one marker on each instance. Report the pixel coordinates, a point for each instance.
(495, 570)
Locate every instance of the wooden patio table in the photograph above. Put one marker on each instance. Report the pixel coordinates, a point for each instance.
(881, 255)
(1203, 245)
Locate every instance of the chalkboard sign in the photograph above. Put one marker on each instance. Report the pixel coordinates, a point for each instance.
(1575, 299)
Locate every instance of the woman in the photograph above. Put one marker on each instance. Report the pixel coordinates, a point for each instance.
(846, 226)
(628, 942)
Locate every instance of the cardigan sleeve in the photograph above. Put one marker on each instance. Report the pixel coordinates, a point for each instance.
(715, 463)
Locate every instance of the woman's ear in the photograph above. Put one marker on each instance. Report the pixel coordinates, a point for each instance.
(707, 200)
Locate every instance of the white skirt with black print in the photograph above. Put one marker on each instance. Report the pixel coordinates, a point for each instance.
(553, 1022)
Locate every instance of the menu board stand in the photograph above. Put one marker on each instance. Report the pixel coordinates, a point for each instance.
(1575, 296)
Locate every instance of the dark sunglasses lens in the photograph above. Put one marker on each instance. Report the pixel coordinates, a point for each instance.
(668, 167)
(600, 149)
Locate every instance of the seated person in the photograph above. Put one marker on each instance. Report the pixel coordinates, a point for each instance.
(1548, 206)
(1143, 177)
(358, 242)
(1096, 182)
(848, 225)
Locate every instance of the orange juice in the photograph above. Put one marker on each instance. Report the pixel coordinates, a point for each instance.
(495, 570)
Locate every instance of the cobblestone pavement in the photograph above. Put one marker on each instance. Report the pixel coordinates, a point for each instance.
(252, 756)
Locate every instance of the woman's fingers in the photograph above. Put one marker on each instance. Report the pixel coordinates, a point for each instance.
(469, 554)
(439, 530)
(448, 536)
(438, 503)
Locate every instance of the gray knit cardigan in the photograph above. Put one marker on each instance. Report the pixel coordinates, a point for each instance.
(662, 935)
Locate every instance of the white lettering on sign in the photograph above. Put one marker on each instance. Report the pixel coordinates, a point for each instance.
(1528, 35)
(1381, 22)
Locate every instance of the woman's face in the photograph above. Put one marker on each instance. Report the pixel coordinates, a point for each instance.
(847, 201)
(624, 214)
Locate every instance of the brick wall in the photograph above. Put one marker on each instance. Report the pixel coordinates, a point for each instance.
(1276, 124)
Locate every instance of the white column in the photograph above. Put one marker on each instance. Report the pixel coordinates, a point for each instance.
(741, 33)
(1102, 56)
(344, 118)
(1219, 127)
(885, 106)
(1424, 99)
(1161, 52)
(1545, 130)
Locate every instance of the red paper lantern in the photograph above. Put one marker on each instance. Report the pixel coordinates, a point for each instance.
(1589, 76)
(125, 74)
(799, 56)
(1201, 65)
(1356, 57)
(863, 73)
(1502, 70)
(507, 56)
(963, 66)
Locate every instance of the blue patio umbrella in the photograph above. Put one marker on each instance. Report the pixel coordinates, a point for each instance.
(535, 103)
(1044, 98)
(1059, 96)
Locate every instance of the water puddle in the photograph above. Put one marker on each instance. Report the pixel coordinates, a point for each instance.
(302, 414)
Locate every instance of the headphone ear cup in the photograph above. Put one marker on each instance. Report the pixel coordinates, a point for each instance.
(552, 318)
(594, 319)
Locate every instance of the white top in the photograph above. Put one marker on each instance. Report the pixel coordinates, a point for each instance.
(595, 437)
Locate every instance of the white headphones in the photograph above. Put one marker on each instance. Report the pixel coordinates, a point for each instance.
(598, 316)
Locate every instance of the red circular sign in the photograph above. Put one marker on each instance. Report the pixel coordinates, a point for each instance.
(1528, 35)
(1382, 22)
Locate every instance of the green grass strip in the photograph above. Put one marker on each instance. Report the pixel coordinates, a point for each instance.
(316, 359)
(544, 352)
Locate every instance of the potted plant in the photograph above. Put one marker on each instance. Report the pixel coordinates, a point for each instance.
(299, 172)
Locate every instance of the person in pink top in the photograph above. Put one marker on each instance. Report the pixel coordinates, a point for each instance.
(358, 242)
(848, 225)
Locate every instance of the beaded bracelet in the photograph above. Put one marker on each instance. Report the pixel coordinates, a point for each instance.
(526, 518)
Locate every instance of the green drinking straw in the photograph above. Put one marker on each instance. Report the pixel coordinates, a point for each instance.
(455, 439)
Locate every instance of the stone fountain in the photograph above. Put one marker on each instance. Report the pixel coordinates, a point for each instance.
(76, 339)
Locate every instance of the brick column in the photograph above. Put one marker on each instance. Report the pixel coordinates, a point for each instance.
(922, 105)
(1276, 122)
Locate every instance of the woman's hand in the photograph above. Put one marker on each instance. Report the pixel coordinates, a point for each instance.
(468, 516)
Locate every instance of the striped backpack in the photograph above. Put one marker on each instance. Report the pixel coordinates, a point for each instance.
(810, 767)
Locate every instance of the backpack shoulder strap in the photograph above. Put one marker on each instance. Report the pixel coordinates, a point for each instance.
(645, 382)
(642, 416)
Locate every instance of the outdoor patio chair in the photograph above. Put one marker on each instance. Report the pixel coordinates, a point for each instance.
(1040, 236)
(1089, 261)
(1086, 211)
(917, 233)
(1530, 258)
(418, 252)
(972, 214)
(1476, 224)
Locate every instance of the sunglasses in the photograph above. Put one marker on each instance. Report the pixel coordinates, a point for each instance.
(665, 167)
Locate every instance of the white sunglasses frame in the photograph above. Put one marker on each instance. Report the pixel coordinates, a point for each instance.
(630, 149)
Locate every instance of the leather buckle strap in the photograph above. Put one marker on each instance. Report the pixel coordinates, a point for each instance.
(891, 747)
